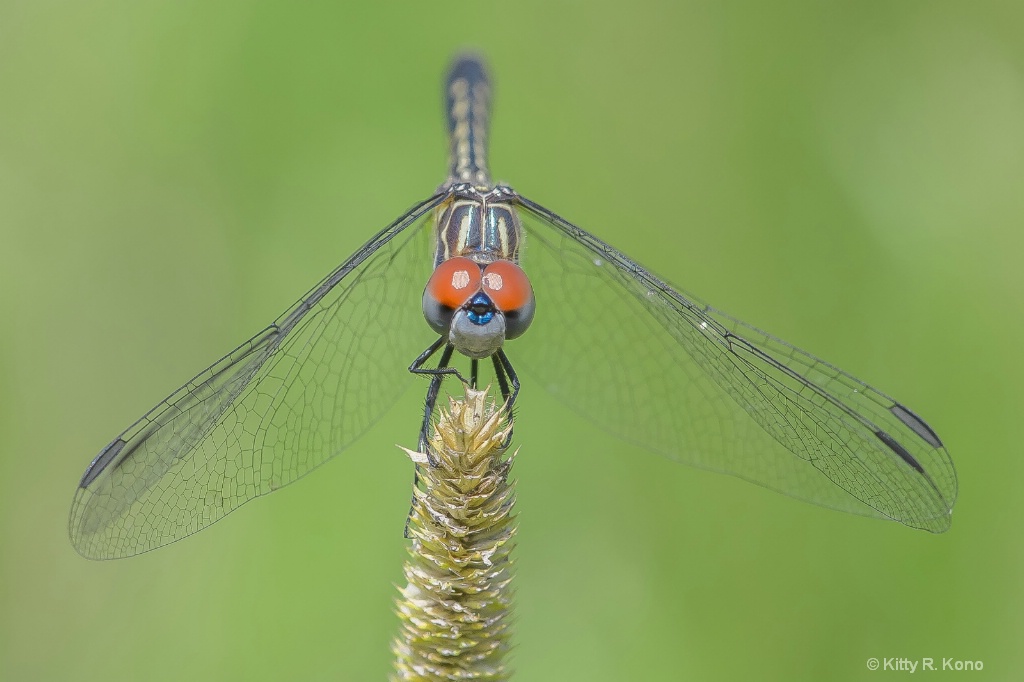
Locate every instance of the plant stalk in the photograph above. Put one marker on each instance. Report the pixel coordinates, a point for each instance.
(455, 609)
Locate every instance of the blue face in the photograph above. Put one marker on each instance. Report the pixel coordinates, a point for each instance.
(480, 309)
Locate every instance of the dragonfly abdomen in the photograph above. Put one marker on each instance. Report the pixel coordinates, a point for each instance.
(467, 103)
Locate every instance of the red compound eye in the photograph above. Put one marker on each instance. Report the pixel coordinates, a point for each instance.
(507, 286)
(454, 282)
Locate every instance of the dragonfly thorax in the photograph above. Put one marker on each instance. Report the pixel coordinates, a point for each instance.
(481, 225)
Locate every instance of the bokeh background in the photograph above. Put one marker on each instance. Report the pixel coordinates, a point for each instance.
(845, 174)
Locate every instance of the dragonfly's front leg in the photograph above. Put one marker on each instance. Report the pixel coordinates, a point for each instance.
(436, 375)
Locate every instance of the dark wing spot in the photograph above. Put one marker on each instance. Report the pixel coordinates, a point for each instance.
(899, 450)
(916, 425)
(103, 460)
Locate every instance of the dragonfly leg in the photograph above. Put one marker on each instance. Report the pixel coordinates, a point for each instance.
(436, 375)
(505, 373)
(417, 365)
(442, 367)
(503, 367)
(499, 374)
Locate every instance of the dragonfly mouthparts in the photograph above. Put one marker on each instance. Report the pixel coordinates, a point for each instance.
(480, 309)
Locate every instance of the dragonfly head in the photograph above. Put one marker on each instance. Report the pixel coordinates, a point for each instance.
(478, 306)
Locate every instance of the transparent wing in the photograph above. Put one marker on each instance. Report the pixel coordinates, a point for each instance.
(282, 403)
(663, 370)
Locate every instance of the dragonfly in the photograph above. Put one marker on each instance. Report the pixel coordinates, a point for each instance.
(639, 357)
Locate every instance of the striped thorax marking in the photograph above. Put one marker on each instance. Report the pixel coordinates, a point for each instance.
(479, 227)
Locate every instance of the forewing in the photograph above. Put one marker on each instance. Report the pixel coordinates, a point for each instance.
(279, 405)
(663, 370)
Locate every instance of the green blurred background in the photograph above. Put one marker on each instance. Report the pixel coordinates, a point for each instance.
(848, 175)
